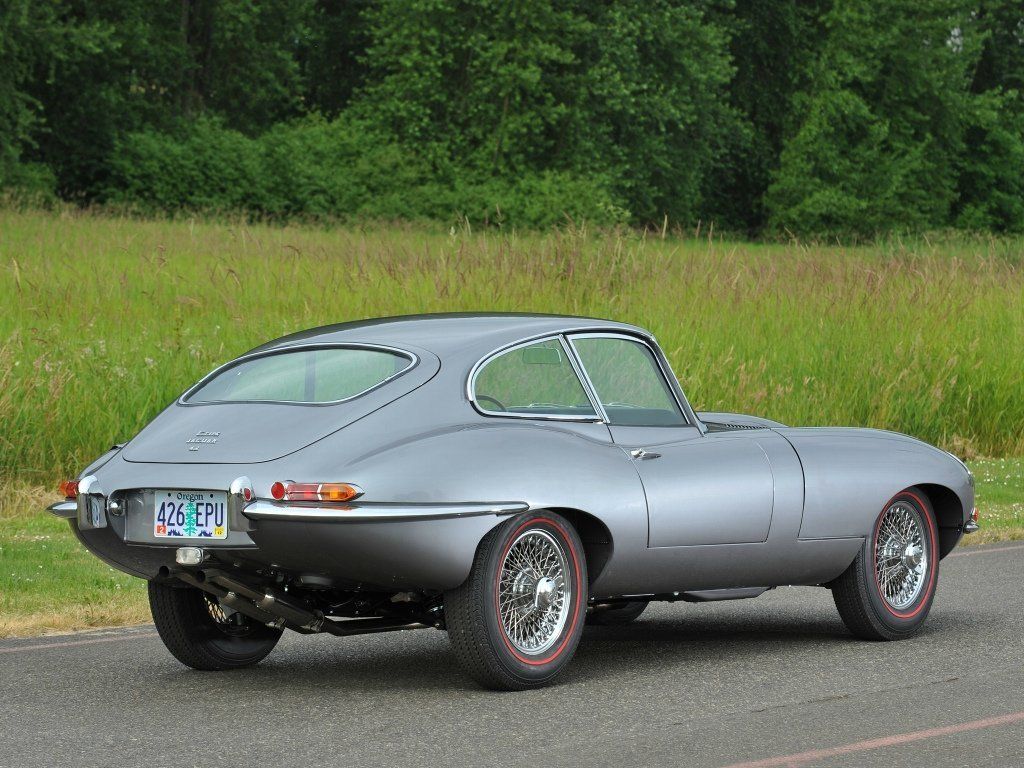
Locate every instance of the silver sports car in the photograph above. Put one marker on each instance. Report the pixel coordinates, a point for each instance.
(507, 478)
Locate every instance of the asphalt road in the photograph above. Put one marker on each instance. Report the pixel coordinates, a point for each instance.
(774, 681)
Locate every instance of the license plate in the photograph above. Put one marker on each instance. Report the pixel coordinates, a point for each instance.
(190, 514)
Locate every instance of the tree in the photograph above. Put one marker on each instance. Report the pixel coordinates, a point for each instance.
(879, 129)
(773, 44)
(990, 191)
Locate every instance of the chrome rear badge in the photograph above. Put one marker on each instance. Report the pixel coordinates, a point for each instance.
(202, 438)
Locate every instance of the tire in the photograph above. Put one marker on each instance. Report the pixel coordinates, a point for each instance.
(616, 615)
(500, 653)
(185, 620)
(874, 607)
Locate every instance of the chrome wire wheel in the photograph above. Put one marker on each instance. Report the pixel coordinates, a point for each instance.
(227, 620)
(534, 596)
(901, 556)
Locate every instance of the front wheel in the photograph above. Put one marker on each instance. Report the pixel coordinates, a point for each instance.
(888, 590)
(202, 634)
(516, 621)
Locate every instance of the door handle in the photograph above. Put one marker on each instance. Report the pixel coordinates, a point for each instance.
(641, 454)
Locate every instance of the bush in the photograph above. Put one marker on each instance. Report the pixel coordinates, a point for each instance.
(28, 183)
(338, 169)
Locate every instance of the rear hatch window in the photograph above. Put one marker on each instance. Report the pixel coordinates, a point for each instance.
(326, 375)
(267, 406)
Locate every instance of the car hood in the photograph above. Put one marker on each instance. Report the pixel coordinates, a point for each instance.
(247, 433)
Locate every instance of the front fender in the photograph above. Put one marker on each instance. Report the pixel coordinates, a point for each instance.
(851, 473)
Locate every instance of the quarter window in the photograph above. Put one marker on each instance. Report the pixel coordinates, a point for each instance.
(628, 382)
(535, 380)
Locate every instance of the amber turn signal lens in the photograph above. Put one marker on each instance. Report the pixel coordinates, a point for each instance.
(337, 492)
(69, 488)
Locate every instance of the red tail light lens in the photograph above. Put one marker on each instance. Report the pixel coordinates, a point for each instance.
(314, 491)
(69, 488)
(974, 515)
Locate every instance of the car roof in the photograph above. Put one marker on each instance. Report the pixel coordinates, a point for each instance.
(448, 335)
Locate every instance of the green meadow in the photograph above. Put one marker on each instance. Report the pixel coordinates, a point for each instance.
(105, 320)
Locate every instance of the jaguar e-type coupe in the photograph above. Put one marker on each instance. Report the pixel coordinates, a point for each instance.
(506, 478)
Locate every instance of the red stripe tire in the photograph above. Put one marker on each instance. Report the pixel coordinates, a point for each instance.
(516, 621)
(887, 592)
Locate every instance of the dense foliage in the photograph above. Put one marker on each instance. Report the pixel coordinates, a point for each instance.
(846, 117)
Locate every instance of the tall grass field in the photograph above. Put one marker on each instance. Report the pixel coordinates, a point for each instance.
(105, 320)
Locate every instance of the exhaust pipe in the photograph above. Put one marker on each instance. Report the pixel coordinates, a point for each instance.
(232, 600)
(273, 608)
(271, 602)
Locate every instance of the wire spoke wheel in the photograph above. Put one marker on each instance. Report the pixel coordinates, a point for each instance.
(228, 620)
(534, 595)
(901, 555)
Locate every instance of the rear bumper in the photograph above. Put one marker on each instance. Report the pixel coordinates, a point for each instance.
(65, 509)
(426, 547)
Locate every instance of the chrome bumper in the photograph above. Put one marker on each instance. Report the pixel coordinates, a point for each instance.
(65, 509)
(377, 512)
(971, 525)
(90, 508)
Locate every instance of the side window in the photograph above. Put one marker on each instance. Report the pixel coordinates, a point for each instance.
(628, 381)
(534, 380)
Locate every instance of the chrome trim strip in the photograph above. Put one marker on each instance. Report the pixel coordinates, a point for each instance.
(588, 385)
(377, 512)
(412, 357)
(65, 509)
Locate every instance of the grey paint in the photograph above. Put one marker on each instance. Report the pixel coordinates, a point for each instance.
(714, 489)
(728, 509)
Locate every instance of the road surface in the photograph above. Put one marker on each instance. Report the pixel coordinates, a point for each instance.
(774, 681)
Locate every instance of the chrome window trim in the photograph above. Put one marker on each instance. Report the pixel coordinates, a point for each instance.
(581, 374)
(482, 363)
(410, 356)
(667, 378)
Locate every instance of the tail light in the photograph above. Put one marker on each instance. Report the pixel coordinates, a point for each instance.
(315, 491)
(69, 488)
(974, 515)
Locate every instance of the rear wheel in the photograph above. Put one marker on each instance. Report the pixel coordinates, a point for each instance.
(887, 592)
(516, 621)
(202, 634)
(616, 614)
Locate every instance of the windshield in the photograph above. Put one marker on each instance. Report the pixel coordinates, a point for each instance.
(322, 375)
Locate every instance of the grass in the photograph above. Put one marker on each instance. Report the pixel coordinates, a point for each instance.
(49, 583)
(1000, 499)
(105, 320)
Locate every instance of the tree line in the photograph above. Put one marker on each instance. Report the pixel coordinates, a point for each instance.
(811, 117)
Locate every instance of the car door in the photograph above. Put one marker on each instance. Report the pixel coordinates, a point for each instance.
(701, 488)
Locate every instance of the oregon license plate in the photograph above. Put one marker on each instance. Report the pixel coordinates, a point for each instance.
(190, 514)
